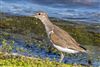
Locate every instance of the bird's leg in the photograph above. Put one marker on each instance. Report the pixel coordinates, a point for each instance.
(62, 56)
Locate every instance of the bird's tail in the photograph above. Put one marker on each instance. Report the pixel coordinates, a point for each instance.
(88, 55)
(89, 58)
(83, 49)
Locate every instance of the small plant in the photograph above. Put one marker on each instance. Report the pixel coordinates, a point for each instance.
(20, 50)
(7, 46)
(24, 61)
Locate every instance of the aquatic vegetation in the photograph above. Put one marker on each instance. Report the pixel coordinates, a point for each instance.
(33, 28)
(23, 61)
(7, 46)
(32, 31)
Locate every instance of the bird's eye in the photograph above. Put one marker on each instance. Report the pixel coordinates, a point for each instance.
(39, 14)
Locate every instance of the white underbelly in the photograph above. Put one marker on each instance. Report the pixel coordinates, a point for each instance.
(65, 49)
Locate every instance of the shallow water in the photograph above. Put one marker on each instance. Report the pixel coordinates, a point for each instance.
(77, 10)
(34, 50)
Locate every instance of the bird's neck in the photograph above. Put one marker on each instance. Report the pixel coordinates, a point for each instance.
(48, 25)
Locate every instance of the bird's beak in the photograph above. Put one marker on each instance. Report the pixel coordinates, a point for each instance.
(33, 16)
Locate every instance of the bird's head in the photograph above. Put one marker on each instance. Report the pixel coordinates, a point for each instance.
(41, 15)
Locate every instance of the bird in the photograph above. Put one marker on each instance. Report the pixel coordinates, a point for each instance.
(59, 38)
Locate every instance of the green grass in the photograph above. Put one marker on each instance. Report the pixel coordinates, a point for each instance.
(22, 61)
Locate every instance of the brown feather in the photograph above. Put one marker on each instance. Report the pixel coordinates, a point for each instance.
(63, 39)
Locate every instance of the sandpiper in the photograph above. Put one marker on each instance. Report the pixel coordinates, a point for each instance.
(60, 39)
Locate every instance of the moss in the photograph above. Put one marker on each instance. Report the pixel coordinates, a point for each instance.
(23, 61)
(7, 46)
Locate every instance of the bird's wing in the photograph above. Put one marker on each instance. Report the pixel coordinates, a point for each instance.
(62, 38)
